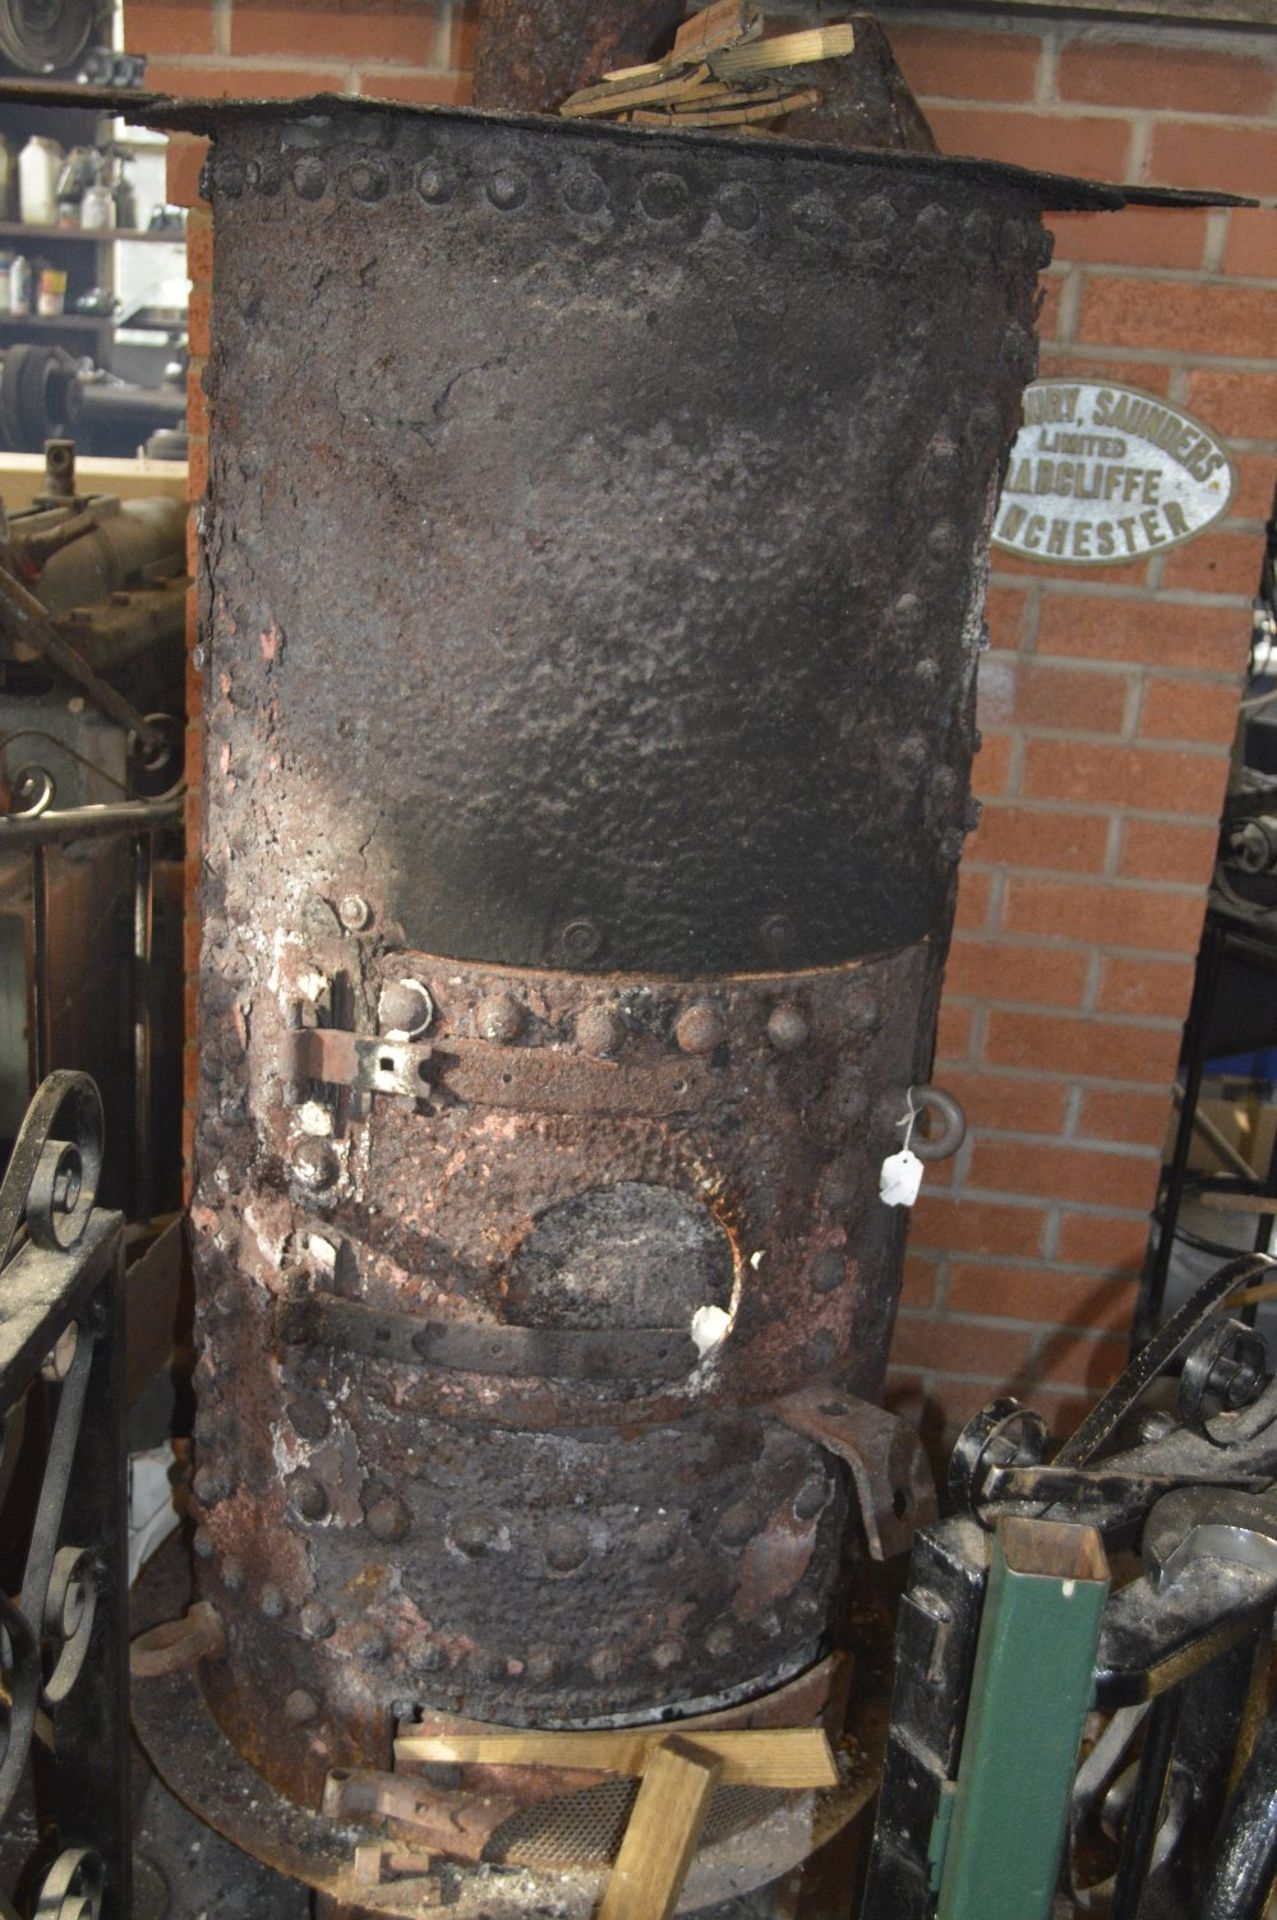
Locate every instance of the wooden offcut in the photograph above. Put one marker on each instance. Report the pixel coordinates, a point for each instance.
(794, 1758)
(720, 73)
(651, 1867)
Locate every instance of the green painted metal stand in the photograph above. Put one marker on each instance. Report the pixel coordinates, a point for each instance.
(999, 1839)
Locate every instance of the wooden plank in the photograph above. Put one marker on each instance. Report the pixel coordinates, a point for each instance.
(785, 50)
(787, 1757)
(616, 99)
(22, 478)
(771, 108)
(678, 1783)
(723, 25)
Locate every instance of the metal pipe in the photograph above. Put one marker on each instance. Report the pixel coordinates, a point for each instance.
(1243, 1866)
(143, 909)
(41, 1038)
(1144, 1817)
(78, 823)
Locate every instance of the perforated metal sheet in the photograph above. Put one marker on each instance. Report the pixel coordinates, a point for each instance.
(586, 1829)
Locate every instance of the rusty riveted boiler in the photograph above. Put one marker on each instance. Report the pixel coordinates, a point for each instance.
(594, 561)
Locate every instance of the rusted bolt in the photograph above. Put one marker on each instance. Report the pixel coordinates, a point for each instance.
(474, 1533)
(828, 1270)
(310, 177)
(819, 1351)
(387, 1519)
(655, 1540)
(271, 1603)
(315, 1164)
(354, 912)
(308, 1499)
(787, 1029)
(210, 1485)
(369, 1642)
(700, 1028)
(667, 1654)
(309, 1418)
(861, 1014)
(369, 181)
(583, 191)
(778, 935)
(300, 1707)
(202, 1544)
(232, 1571)
(404, 1006)
(738, 1523)
(580, 941)
(605, 1663)
(541, 1665)
(811, 1497)
(566, 1546)
(431, 1659)
(737, 206)
(599, 1031)
(720, 1640)
(499, 1018)
(434, 182)
(316, 1620)
(507, 188)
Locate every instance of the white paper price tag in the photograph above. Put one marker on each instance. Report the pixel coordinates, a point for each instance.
(900, 1180)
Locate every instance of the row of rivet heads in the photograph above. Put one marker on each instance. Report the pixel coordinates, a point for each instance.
(316, 1620)
(405, 1009)
(661, 194)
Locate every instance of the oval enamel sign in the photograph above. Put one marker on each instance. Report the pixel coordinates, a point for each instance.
(1102, 475)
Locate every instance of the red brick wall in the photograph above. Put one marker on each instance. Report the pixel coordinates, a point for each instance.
(1108, 699)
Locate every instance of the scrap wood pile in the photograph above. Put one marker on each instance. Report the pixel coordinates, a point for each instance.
(721, 72)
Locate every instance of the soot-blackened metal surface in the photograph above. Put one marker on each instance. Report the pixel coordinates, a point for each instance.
(593, 567)
(651, 489)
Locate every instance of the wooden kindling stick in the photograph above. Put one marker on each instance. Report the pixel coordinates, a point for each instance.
(664, 1827)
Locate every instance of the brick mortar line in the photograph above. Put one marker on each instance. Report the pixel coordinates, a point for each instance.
(1120, 591)
(1088, 737)
(1238, 42)
(1078, 810)
(1169, 276)
(1053, 1077)
(1162, 356)
(1144, 1023)
(1087, 1143)
(1084, 110)
(972, 1317)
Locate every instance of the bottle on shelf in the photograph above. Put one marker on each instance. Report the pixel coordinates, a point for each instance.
(9, 205)
(6, 268)
(78, 171)
(97, 209)
(20, 285)
(39, 165)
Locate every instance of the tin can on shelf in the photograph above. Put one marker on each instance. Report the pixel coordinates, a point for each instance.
(52, 295)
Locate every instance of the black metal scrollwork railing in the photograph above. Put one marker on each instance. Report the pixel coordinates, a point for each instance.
(63, 1644)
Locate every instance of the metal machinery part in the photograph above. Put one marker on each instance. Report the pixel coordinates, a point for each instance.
(51, 36)
(63, 1640)
(1180, 1661)
(92, 621)
(46, 394)
(580, 844)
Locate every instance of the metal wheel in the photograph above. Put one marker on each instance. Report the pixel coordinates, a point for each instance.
(41, 36)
